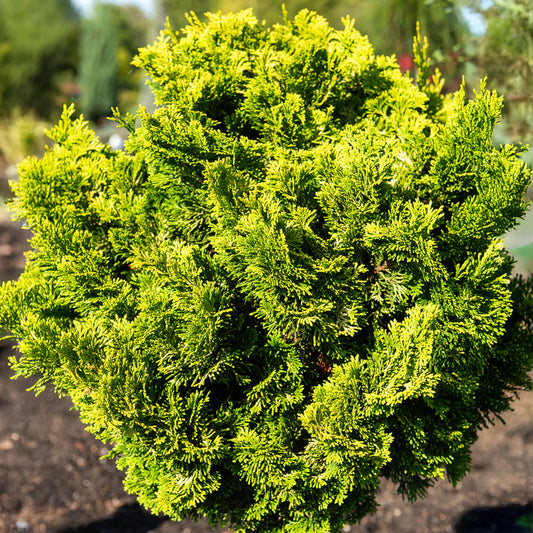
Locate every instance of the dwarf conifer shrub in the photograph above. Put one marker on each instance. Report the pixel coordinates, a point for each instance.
(290, 283)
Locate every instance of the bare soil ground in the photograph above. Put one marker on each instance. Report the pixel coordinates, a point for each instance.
(52, 479)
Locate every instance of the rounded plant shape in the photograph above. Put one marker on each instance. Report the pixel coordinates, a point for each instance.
(290, 283)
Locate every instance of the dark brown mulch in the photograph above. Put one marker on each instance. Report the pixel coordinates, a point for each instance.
(52, 480)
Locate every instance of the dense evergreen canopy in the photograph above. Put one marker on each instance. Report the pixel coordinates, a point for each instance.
(289, 284)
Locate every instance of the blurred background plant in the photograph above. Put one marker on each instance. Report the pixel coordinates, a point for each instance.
(109, 40)
(505, 56)
(38, 54)
(22, 133)
(60, 51)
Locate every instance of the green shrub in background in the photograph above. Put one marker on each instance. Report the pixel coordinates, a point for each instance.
(288, 285)
(21, 135)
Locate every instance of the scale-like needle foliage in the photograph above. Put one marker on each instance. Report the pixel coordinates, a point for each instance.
(290, 283)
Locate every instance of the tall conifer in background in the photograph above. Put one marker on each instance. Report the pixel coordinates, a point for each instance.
(98, 62)
(506, 56)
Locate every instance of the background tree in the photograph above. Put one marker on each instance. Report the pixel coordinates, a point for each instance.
(394, 23)
(132, 28)
(38, 50)
(99, 62)
(505, 54)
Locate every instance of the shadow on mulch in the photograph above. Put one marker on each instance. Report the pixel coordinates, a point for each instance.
(500, 519)
(130, 518)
